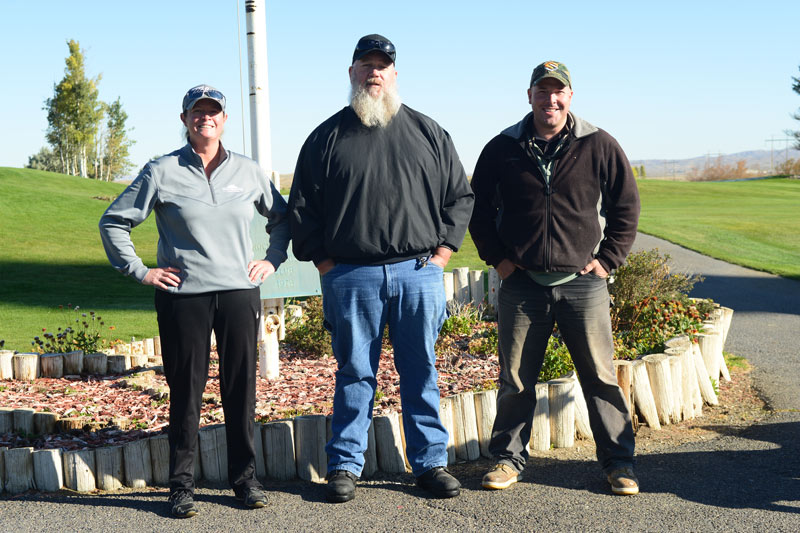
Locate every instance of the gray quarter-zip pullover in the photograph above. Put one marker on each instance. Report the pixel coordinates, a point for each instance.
(203, 224)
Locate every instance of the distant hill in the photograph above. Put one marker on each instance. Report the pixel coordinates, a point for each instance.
(758, 162)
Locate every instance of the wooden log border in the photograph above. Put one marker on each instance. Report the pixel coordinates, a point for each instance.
(117, 360)
(295, 448)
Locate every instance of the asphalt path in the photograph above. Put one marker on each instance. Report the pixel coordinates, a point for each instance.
(743, 480)
(766, 317)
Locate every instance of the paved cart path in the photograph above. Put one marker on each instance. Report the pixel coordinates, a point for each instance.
(766, 318)
(744, 480)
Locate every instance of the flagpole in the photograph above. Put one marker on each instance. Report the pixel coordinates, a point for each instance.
(271, 324)
(258, 78)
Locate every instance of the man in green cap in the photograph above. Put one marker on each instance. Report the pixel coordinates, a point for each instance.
(556, 210)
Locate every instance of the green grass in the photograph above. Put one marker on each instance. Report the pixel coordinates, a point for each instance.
(750, 223)
(735, 361)
(51, 253)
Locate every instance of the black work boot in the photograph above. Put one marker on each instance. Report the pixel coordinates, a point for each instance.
(182, 501)
(341, 486)
(439, 482)
(252, 497)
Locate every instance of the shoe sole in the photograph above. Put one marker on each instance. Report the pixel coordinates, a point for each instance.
(441, 493)
(255, 505)
(184, 515)
(446, 494)
(496, 485)
(339, 499)
(625, 491)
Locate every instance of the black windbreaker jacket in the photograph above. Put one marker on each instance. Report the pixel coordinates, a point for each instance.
(377, 195)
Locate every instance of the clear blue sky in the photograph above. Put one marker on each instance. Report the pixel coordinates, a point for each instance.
(669, 80)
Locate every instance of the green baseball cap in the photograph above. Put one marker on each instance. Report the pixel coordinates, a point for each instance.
(551, 69)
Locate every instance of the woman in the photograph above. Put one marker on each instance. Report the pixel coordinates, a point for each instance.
(203, 196)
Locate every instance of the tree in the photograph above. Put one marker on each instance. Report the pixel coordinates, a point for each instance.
(74, 114)
(790, 167)
(796, 116)
(117, 144)
(718, 170)
(44, 160)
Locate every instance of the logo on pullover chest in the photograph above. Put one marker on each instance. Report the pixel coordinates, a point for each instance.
(232, 188)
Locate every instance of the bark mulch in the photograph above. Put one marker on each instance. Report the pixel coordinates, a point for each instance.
(117, 409)
(121, 408)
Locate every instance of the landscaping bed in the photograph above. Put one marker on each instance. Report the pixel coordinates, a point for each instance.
(651, 307)
(306, 385)
(117, 409)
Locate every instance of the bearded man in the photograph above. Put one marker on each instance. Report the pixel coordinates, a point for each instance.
(379, 201)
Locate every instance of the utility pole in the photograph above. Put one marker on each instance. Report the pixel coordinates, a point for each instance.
(772, 141)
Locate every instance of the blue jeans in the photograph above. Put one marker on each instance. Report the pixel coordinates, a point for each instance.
(358, 301)
(527, 312)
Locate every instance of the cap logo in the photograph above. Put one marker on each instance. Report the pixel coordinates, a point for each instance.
(551, 66)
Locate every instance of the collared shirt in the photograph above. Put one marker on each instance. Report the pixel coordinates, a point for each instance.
(545, 152)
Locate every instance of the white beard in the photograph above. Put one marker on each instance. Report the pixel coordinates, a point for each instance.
(375, 111)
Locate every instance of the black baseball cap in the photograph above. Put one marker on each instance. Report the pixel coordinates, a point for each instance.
(374, 43)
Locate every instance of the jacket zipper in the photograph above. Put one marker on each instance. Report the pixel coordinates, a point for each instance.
(208, 181)
(211, 190)
(549, 223)
(547, 228)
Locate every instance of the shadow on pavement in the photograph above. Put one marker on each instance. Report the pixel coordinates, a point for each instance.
(145, 501)
(737, 479)
(746, 294)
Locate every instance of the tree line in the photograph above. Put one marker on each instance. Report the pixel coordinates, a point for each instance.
(796, 116)
(87, 137)
(792, 166)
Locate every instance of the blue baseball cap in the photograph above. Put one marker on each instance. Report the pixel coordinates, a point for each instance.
(202, 92)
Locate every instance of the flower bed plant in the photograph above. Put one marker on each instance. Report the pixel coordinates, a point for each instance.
(651, 305)
(82, 330)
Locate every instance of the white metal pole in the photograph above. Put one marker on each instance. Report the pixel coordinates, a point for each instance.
(256, 19)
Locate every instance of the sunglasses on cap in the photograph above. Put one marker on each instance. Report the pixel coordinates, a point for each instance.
(365, 46)
(199, 92)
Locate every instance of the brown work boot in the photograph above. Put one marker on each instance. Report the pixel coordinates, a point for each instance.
(501, 476)
(623, 481)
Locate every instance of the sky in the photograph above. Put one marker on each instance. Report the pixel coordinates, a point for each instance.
(669, 80)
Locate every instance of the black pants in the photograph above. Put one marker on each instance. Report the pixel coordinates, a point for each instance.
(185, 323)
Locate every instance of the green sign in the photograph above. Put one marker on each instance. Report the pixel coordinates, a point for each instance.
(293, 278)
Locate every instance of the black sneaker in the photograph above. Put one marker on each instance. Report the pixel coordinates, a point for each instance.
(439, 482)
(341, 486)
(253, 497)
(182, 501)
